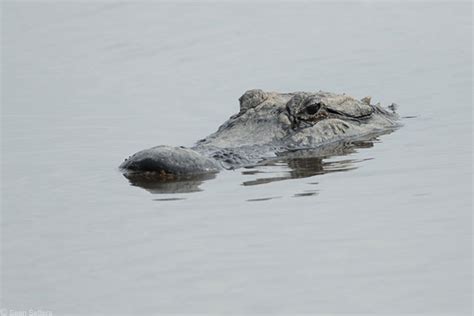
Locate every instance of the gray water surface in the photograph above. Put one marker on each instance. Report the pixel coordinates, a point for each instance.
(385, 228)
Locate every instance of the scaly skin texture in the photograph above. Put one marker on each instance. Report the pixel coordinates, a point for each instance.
(269, 124)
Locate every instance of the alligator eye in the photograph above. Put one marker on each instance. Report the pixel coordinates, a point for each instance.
(313, 108)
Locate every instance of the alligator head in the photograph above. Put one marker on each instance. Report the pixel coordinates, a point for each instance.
(267, 124)
(300, 119)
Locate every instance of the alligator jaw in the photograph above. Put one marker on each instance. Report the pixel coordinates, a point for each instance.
(169, 162)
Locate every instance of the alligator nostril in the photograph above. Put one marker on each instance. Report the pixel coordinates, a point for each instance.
(313, 108)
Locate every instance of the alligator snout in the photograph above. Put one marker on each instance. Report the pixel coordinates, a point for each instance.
(167, 160)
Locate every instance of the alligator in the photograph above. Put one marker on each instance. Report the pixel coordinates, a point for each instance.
(269, 125)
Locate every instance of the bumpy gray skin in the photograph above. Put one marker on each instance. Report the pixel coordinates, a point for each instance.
(270, 124)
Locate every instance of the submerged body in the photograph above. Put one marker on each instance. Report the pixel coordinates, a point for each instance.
(269, 124)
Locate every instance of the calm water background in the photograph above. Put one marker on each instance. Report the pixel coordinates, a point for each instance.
(85, 85)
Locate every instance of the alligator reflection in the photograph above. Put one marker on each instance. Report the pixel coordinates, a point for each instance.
(301, 164)
(308, 163)
(155, 183)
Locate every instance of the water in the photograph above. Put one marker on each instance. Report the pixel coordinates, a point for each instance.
(385, 228)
